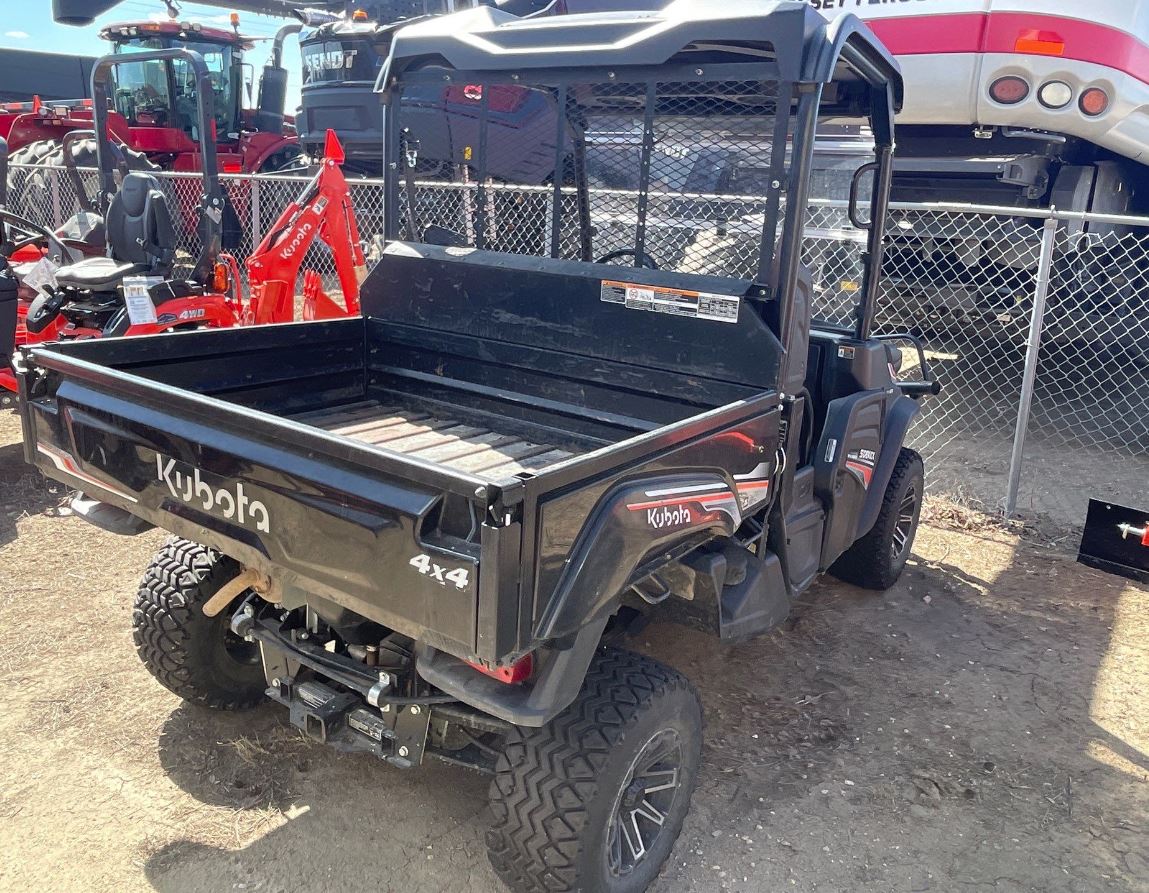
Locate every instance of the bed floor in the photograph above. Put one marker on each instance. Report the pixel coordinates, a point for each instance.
(436, 438)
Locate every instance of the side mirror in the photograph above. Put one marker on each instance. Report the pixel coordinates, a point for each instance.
(870, 167)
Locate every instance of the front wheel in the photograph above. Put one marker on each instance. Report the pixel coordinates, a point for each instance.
(595, 799)
(877, 559)
(195, 656)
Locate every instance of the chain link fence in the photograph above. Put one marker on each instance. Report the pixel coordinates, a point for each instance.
(1035, 322)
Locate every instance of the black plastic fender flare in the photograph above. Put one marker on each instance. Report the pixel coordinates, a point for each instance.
(633, 522)
(898, 420)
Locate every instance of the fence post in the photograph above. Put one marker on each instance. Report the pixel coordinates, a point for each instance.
(54, 190)
(1029, 375)
(256, 220)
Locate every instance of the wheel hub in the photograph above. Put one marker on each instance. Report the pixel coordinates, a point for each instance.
(633, 795)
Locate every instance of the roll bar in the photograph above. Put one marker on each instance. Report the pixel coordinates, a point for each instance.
(3, 175)
(212, 199)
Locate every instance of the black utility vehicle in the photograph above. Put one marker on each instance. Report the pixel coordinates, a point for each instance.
(418, 530)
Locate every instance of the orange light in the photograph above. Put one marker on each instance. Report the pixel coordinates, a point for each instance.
(234, 19)
(360, 15)
(1040, 43)
(219, 279)
(1094, 102)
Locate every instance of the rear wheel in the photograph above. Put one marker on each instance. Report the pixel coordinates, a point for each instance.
(877, 559)
(195, 656)
(595, 799)
(28, 189)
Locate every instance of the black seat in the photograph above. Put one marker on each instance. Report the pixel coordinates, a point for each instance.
(141, 239)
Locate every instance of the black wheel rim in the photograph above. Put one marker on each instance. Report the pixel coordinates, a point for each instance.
(644, 802)
(904, 526)
(239, 650)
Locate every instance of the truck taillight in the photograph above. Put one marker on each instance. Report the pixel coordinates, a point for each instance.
(1055, 94)
(1009, 90)
(1094, 102)
(519, 671)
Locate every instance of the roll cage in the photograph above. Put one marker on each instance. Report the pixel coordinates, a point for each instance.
(814, 69)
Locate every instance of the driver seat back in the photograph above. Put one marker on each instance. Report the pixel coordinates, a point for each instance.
(139, 225)
(141, 239)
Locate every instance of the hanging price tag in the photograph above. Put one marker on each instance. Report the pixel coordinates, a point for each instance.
(42, 273)
(138, 298)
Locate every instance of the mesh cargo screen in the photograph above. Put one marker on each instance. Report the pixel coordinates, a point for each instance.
(678, 174)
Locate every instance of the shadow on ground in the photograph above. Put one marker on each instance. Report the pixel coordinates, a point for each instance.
(942, 737)
(23, 490)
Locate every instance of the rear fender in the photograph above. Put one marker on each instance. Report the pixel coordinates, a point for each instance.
(635, 525)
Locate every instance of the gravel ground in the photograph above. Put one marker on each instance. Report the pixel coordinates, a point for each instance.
(982, 727)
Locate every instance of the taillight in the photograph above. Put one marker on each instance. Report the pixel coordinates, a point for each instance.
(519, 671)
(1009, 90)
(1055, 94)
(1094, 102)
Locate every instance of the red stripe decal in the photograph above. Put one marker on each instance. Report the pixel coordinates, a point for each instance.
(864, 470)
(703, 499)
(999, 32)
(930, 34)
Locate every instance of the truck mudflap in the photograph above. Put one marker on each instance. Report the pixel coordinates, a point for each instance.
(309, 522)
(558, 675)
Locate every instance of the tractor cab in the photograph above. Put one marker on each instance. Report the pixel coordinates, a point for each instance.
(159, 95)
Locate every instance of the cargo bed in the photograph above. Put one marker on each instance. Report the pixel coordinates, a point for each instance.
(474, 434)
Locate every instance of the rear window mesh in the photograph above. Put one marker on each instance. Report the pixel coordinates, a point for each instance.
(680, 175)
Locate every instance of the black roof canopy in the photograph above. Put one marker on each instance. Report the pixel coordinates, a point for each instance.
(787, 36)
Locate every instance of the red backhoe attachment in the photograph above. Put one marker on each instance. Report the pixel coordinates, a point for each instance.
(323, 210)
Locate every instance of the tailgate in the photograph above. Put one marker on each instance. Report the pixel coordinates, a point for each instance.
(314, 512)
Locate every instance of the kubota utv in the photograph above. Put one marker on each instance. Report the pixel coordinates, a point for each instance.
(424, 531)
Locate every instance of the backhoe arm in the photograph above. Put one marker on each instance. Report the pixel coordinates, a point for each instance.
(324, 210)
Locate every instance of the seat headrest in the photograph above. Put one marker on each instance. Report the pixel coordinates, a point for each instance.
(134, 192)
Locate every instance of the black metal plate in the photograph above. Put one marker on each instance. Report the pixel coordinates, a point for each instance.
(1102, 546)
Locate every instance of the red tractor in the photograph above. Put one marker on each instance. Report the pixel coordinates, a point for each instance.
(154, 108)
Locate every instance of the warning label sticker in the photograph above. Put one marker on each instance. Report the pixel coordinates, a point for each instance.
(675, 301)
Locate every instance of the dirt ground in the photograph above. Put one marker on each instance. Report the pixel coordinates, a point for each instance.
(983, 727)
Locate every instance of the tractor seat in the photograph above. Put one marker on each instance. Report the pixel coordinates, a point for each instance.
(141, 239)
(97, 273)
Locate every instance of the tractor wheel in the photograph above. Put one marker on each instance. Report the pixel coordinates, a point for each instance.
(595, 799)
(195, 656)
(877, 559)
(27, 188)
